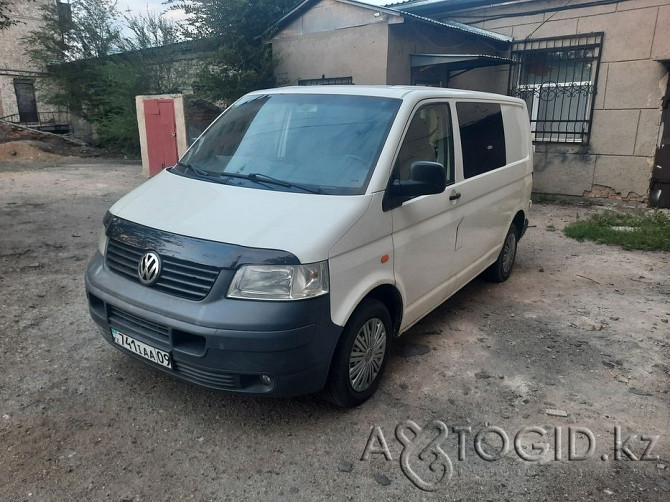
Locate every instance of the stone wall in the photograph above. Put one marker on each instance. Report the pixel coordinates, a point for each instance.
(14, 60)
(632, 80)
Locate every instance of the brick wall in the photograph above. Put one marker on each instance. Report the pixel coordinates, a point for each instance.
(14, 61)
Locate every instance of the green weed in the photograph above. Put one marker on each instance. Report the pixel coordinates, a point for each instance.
(646, 230)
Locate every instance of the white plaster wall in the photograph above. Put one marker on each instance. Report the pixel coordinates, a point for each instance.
(358, 51)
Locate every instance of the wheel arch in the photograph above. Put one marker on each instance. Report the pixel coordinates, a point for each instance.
(519, 221)
(338, 388)
(389, 295)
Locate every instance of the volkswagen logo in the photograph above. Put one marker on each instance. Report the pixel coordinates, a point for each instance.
(149, 268)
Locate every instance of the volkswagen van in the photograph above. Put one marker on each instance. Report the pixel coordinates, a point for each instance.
(306, 229)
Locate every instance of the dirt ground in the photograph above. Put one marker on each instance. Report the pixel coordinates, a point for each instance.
(27, 147)
(575, 343)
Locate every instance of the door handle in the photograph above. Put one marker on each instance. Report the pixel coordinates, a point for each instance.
(455, 196)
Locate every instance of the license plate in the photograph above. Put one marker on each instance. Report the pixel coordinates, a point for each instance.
(142, 349)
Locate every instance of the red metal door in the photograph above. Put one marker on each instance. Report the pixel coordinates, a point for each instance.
(161, 134)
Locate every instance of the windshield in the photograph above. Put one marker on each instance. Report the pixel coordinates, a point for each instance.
(297, 142)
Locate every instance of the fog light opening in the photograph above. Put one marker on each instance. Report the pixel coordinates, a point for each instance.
(267, 380)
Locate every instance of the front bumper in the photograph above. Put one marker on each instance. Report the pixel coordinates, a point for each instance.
(220, 343)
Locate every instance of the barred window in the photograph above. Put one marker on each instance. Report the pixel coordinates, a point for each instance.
(557, 79)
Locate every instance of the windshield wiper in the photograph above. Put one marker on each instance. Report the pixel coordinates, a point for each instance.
(256, 177)
(213, 176)
(197, 171)
(210, 176)
(288, 184)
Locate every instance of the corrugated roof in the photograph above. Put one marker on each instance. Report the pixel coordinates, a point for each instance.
(458, 26)
(464, 28)
(458, 61)
(397, 4)
(445, 4)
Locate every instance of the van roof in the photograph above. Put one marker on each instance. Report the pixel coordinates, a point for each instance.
(389, 91)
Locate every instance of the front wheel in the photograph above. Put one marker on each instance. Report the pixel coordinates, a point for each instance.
(502, 268)
(361, 355)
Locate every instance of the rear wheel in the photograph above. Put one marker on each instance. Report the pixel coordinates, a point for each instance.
(361, 355)
(502, 268)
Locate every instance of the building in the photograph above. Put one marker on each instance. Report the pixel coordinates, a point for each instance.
(171, 68)
(344, 41)
(20, 99)
(593, 73)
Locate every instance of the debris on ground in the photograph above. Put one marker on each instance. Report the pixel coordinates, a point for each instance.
(556, 413)
(18, 144)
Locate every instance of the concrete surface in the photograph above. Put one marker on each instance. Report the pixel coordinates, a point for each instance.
(576, 341)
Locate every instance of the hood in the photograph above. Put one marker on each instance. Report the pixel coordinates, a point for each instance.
(306, 225)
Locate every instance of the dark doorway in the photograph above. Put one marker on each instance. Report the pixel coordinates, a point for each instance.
(431, 76)
(659, 194)
(25, 100)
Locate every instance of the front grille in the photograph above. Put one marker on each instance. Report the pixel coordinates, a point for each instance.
(131, 325)
(213, 378)
(185, 279)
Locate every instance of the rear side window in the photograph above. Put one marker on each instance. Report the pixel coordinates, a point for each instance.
(482, 137)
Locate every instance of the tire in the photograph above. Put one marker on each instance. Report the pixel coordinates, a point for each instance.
(361, 355)
(502, 268)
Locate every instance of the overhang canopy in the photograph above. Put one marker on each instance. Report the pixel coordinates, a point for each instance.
(457, 62)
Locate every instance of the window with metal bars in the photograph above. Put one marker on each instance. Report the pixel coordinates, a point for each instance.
(556, 77)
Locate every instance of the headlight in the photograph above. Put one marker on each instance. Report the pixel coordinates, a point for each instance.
(102, 241)
(280, 282)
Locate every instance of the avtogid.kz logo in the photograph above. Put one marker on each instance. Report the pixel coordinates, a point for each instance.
(425, 463)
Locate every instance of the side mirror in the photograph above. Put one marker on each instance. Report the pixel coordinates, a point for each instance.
(425, 178)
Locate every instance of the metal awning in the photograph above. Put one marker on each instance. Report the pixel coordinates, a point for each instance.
(457, 62)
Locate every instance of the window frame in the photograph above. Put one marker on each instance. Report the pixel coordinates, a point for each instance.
(520, 87)
(569, 137)
(465, 171)
(450, 123)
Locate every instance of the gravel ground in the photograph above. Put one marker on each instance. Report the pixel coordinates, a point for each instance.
(575, 343)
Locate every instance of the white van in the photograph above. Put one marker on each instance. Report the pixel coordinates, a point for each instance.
(308, 227)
